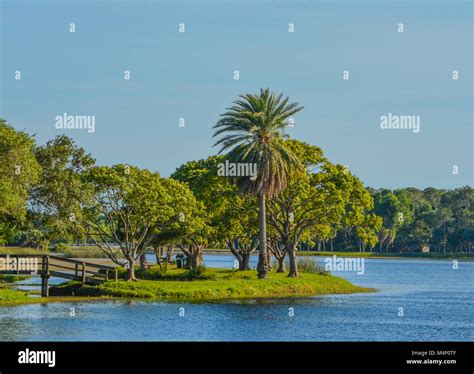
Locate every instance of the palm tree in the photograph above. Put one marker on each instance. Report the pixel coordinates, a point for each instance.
(253, 129)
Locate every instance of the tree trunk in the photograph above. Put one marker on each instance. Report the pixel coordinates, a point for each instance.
(193, 255)
(143, 261)
(262, 267)
(269, 260)
(233, 245)
(194, 261)
(158, 254)
(244, 263)
(293, 264)
(131, 270)
(281, 265)
(169, 253)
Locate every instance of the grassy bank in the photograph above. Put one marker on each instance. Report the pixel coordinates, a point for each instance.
(218, 284)
(22, 251)
(10, 278)
(457, 256)
(9, 297)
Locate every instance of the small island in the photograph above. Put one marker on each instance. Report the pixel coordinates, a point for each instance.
(201, 285)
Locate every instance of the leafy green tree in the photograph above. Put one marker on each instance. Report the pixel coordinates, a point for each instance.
(56, 200)
(367, 230)
(321, 196)
(253, 134)
(436, 219)
(414, 236)
(231, 217)
(187, 217)
(460, 202)
(19, 171)
(394, 208)
(130, 205)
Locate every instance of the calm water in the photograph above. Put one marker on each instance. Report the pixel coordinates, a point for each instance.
(437, 302)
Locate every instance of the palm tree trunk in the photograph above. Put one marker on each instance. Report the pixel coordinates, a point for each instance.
(262, 267)
(269, 260)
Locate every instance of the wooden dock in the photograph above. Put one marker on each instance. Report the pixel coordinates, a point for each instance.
(54, 266)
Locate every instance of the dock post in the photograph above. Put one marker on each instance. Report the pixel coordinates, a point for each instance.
(45, 277)
(83, 273)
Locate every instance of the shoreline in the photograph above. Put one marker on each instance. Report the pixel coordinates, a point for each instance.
(224, 286)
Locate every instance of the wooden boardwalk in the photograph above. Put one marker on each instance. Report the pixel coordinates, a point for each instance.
(54, 266)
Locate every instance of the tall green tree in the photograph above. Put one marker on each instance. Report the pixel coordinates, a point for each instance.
(56, 200)
(130, 206)
(253, 130)
(315, 199)
(231, 216)
(19, 171)
(394, 208)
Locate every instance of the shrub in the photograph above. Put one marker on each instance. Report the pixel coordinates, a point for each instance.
(60, 247)
(154, 272)
(308, 265)
(198, 273)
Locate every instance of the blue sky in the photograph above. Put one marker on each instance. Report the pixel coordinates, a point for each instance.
(190, 75)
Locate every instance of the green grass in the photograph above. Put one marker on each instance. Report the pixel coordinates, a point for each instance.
(22, 251)
(432, 255)
(87, 252)
(226, 284)
(308, 265)
(8, 296)
(8, 278)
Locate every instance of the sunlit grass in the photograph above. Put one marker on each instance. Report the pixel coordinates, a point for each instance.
(225, 284)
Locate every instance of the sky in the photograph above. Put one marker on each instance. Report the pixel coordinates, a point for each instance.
(190, 75)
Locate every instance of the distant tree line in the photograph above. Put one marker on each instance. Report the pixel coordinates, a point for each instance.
(434, 220)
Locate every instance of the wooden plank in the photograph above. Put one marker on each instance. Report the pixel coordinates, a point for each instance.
(90, 264)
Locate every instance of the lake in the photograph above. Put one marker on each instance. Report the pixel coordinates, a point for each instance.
(420, 300)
